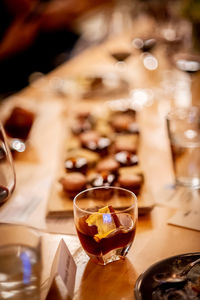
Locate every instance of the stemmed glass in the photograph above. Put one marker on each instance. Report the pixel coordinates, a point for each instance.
(105, 220)
(188, 66)
(7, 172)
(187, 62)
(184, 58)
(120, 55)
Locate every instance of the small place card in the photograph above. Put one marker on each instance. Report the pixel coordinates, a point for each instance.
(63, 273)
(188, 219)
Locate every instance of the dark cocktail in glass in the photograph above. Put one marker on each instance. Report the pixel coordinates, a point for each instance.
(105, 219)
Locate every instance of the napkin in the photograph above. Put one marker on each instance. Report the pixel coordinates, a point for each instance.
(187, 219)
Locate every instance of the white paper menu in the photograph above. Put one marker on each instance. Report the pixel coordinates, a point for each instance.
(63, 274)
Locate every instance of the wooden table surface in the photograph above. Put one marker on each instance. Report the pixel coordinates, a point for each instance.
(36, 170)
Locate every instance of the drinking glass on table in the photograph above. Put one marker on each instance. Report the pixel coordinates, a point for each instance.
(187, 62)
(183, 126)
(7, 173)
(120, 55)
(20, 262)
(105, 220)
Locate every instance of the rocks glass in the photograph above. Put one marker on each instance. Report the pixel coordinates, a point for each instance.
(105, 220)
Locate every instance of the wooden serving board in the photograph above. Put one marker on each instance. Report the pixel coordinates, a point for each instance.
(60, 204)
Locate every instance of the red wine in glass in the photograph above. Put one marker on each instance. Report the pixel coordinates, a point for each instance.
(4, 193)
(7, 172)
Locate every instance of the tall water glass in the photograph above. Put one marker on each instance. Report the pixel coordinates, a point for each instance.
(183, 126)
(20, 263)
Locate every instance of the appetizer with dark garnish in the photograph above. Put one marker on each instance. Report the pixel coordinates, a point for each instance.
(76, 164)
(104, 178)
(83, 121)
(126, 158)
(93, 141)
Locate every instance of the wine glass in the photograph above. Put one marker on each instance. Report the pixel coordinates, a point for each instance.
(120, 55)
(183, 59)
(187, 62)
(187, 65)
(105, 219)
(7, 172)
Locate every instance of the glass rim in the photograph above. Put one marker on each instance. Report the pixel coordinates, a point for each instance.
(175, 111)
(34, 236)
(101, 188)
(21, 225)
